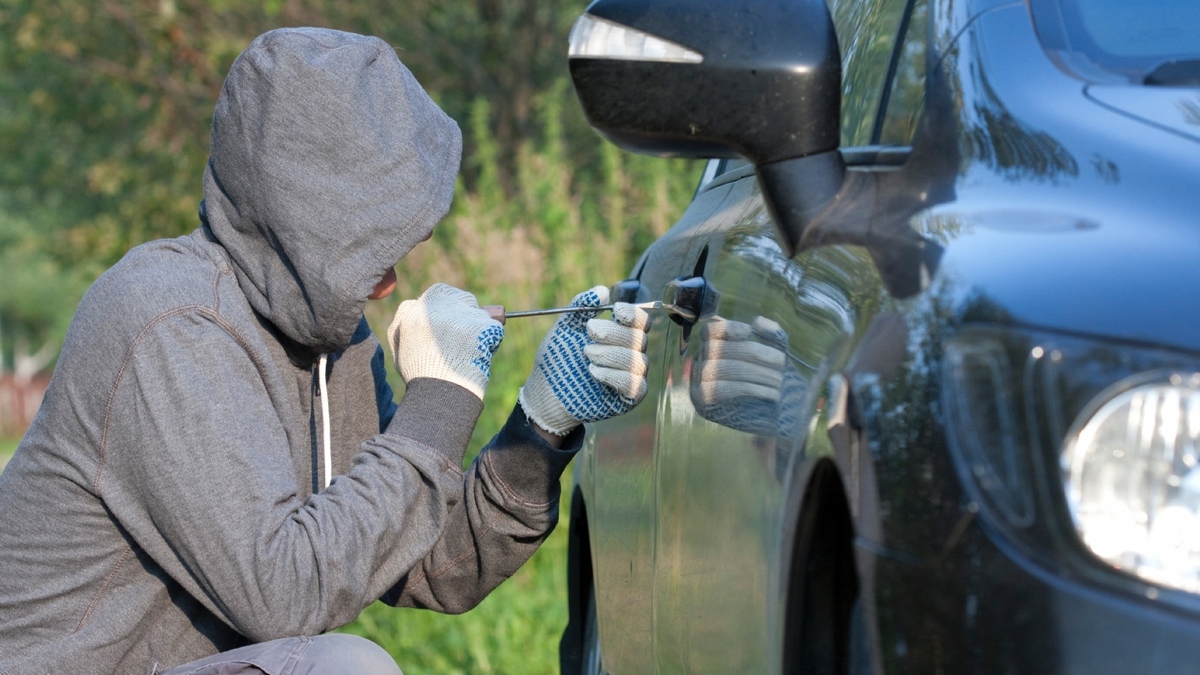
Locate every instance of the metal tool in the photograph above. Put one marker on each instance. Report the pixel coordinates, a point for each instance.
(498, 312)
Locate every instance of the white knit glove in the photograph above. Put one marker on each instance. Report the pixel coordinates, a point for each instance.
(446, 336)
(588, 369)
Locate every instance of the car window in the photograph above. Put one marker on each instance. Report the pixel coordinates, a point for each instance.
(719, 167)
(712, 169)
(905, 98)
(866, 31)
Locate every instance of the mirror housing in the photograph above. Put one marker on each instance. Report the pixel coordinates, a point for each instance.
(767, 87)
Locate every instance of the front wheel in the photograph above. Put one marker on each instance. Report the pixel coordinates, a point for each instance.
(823, 614)
(591, 639)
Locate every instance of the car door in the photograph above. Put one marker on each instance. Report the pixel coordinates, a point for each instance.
(721, 460)
(619, 464)
(724, 465)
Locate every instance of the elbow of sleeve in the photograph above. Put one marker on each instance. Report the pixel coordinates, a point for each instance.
(266, 628)
(462, 605)
(301, 618)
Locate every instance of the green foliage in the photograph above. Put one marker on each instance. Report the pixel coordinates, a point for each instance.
(107, 125)
(7, 447)
(514, 630)
(107, 106)
(39, 292)
(104, 120)
(866, 33)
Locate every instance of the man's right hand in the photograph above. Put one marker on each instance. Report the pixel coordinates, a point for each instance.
(445, 335)
(588, 369)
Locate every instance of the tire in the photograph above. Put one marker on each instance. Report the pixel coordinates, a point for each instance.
(579, 648)
(592, 663)
(824, 620)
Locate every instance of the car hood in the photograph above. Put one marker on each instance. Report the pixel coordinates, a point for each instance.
(1176, 109)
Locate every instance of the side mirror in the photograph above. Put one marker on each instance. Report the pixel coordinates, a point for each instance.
(759, 79)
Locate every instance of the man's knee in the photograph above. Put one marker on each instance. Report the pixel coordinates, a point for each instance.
(339, 653)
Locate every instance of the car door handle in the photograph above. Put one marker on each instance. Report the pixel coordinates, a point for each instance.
(628, 290)
(689, 299)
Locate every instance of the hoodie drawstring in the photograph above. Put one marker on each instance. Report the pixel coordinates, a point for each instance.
(324, 393)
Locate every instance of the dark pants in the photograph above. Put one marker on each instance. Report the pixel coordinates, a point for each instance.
(321, 655)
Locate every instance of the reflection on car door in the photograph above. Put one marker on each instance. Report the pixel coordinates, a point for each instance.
(687, 490)
(622, 508)
(724, 464)
(724, 460)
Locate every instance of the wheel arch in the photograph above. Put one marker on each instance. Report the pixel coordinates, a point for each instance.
(579, 584)
(820, 577)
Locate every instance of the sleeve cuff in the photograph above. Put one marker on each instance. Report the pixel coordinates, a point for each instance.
(526, 464)
(438, 414)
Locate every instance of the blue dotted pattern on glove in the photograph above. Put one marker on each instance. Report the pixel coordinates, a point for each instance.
(745, 413)
(488, 341)
(565, 368)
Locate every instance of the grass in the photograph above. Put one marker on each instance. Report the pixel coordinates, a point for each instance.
(517, 627)
(514, 630)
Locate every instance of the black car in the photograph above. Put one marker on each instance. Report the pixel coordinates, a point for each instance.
(925, 392)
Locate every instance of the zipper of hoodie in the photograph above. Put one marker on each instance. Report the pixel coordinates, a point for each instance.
(321, 368)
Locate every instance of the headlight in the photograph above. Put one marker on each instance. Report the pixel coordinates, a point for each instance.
(1071, 445)
(1131, 472)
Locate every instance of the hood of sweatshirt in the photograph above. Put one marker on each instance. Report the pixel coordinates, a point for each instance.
(329, 163)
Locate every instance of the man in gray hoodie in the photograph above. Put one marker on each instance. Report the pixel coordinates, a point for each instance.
(219, 474)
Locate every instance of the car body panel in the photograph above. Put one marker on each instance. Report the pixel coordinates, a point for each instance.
(619, 482)
(1023, 203)
(1044, 218)
(717, 558)
(1176, 109)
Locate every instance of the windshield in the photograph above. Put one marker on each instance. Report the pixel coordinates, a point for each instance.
(1130, 37)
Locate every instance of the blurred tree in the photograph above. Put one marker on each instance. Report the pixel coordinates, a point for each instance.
(109, 103)
(36, 300)
(105, 107)
(503, 51)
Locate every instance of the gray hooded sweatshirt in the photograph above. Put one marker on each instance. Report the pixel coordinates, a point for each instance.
(169, 500)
